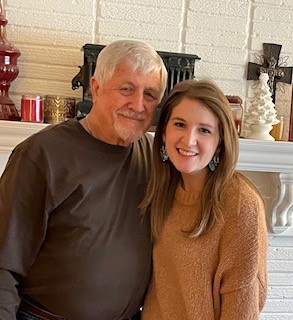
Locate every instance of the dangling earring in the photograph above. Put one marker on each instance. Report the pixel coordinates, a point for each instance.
(214, 162)
(164, 154)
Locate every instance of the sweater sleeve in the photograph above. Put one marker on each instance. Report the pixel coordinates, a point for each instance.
(242, 273)
(22, 226)
(244, 303)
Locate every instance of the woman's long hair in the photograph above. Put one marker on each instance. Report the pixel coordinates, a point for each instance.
(165, 178)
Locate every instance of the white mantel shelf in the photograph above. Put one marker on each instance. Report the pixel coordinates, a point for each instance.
(265, 156)
(259, 156)
(14, 132)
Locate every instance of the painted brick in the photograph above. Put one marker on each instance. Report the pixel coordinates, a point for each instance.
(160, 45)
(129, 29)
(47, 20)
(287, 47)
(280, 265)
(281, 30)
(284, 292)
(273, 14)
(278, 316)
(221, 8)
(220, 71)
(218, 55)
(282, 253)
(230, 87)
(130, 12)
(198, 20)
(24, 35)
(47, 72)
(279, 3)
(43, 87)
(76, 7)
(280, 279)
(224, 39)
(280, 241)
(286, 305)
(49, 55)
(171, 4)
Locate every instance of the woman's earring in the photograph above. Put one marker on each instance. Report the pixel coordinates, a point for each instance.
(164, 154)
(214, 162)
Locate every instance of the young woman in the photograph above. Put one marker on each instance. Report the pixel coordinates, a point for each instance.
(208, 221)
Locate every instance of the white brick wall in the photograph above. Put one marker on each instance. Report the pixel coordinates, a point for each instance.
(49, 35)
(225, 34)
(280, 266)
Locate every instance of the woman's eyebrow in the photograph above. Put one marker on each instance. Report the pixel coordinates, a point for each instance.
(177, 119)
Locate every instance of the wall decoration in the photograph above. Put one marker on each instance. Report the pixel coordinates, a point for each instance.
(261, 114)
(271, 66)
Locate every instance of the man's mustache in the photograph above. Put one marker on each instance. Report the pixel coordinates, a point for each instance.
(131, 114)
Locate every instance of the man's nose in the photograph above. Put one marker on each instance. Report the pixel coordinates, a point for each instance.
(137, 102)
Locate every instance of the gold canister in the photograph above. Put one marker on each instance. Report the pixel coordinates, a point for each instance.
(58, 108)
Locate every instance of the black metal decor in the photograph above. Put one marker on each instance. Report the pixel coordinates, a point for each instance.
(271, 67)
(180, 66)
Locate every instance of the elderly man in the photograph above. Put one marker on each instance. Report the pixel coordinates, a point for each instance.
(73, 244)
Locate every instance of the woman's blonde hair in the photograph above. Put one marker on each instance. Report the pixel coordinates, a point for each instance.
(165, 178)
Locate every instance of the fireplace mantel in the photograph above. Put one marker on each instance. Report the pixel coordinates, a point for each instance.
(256, 156)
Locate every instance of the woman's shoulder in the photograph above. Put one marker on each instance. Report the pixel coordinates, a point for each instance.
(243, 199)
(242, 188)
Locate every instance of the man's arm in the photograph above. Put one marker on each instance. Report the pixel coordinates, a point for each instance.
(22, 226)
(10, 300)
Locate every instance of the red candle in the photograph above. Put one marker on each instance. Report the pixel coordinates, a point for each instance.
(32, 108)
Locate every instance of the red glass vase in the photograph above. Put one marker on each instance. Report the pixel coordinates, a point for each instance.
(8, 72)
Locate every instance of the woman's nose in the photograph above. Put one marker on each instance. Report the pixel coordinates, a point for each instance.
(190, 138)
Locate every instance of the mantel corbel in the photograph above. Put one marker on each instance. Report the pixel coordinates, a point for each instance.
(283, 209)
(272, 157)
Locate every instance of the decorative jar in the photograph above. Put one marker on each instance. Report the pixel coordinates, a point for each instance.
(8, 72)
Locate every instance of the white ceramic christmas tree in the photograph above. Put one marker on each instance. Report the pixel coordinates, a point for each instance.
(262, 115)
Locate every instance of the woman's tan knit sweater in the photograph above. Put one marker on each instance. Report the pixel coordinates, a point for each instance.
(221, 275)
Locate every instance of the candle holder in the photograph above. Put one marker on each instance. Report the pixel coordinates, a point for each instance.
(8, 72)
(237, 111)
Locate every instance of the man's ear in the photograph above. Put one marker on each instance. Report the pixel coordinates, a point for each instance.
(94, 87)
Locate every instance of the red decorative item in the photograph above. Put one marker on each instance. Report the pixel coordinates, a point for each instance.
(237, 110)
(8, 72)
(32, 108)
